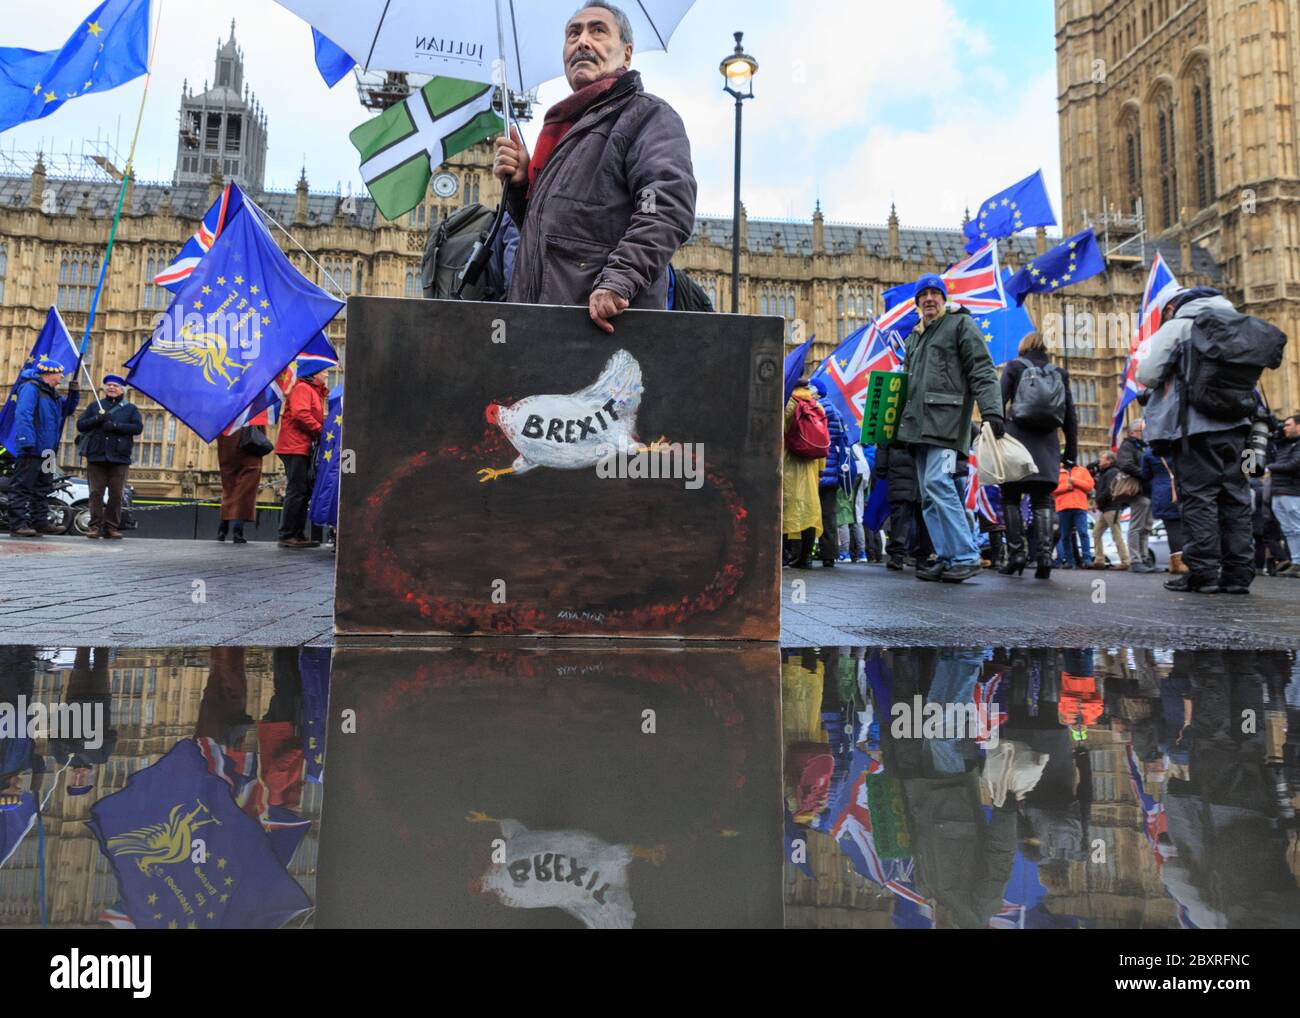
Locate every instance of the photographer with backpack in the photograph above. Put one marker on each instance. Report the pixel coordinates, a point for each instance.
(1202, 367)
(1038, 404)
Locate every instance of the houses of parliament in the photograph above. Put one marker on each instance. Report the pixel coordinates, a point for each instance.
(1178, 129)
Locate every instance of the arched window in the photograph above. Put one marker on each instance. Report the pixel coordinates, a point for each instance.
(1167, 173)
(410, 283)
(1131, 160)
(78, 273)
(1202, 138)
(155, 297)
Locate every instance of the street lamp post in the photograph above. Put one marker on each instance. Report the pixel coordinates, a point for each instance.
(738, 71)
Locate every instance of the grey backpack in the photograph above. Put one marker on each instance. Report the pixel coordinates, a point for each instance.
(449, 247)
(1039, 402)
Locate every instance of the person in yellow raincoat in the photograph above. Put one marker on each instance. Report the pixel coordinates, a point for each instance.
(801, 510)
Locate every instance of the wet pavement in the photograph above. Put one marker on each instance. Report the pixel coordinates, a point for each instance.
(145, 593)
(575, 783)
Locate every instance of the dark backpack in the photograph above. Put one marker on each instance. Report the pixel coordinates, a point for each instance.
(685, 294)
(1039, 402)
(1225, 355)
(809, 436)
(449, 247)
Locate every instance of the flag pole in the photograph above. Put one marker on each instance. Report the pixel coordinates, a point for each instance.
(117, 213)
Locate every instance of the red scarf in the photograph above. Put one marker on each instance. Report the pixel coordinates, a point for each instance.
(561, 117)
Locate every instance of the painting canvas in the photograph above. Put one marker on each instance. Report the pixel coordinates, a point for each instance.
(576, 784)
(517, 471)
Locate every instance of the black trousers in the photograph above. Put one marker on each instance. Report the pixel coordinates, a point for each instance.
(28, 489)
(902, 530)
(113, 477)
(829, 544)
(1214, 494)
(297, 490)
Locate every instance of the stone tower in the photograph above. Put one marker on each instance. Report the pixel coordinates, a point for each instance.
(223, 128)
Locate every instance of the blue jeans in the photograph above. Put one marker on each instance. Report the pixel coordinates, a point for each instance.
(945, 515)
(1074, 520)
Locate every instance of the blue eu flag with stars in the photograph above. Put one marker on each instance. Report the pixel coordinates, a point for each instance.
(1003, 330)
(109, 47)
(1018, 207)
(325, 492)
(1073, 261)
(150, 833)
(244, 313)
(53, 343)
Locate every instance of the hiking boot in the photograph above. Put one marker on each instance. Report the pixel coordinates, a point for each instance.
(1187, 583)
(957, 573)
(931, 573)
(93, 533)
(24, 531)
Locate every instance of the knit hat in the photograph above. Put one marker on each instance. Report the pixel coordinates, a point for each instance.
(931, 282)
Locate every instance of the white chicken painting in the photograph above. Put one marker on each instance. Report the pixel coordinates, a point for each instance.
(576, 431)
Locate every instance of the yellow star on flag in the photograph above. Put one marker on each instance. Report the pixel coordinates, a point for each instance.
(221, 280)
(229, 882)
(221, 864)
(207, 290)
(239, 280)
(87, 84)
(198, 305)
(224, 898)
(338, 419)
(93, 28)
(253, 289)
(1073, 244)
(265, 304)
(37, 89)
(152, 899)
(1004, 201)
(266, 320)
(329, 454)
(1066, 277)
(172, 925)
(157, 915)
(993, 205)
(50, 97)
(192, 925)
(329, 436)
(212, 915)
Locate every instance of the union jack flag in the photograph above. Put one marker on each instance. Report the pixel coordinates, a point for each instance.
(1155, 823)
(975, 282)
(214, 221)
(317, 356)
(1161, 285)
(848, 368)
(977, 499)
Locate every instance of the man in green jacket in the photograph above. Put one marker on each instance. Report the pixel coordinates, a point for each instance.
(949, 370)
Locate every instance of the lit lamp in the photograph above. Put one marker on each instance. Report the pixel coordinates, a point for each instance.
(738, 71)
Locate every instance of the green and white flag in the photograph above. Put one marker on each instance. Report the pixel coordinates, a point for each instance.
(400, 147)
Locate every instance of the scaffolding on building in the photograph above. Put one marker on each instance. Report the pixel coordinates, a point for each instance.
(378, 90)
(92, 160)
(1123, 234)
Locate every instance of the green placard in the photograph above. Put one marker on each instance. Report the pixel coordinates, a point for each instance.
(886, 393)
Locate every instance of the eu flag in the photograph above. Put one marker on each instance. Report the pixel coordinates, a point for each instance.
(1068, 263)
(794, 364)
(17, 817)
(1003, 330)
(109, 48)
(148, 832)
(325, 492)
(332, 60)
(244, 313)
(54, 343)
(314, 668)
(1019, 207)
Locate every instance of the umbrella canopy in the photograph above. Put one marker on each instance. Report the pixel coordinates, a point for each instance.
(460, 39)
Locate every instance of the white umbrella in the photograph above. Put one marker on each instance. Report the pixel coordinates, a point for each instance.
(463, 39)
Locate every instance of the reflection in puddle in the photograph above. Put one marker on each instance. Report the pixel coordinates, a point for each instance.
(589, 785)
(193, 803)
(1093, 788)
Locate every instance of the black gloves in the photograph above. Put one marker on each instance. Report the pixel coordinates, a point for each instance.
(996, 423)
(107, 423)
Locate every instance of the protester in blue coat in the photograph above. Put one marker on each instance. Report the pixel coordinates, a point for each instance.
(835, 474)
(1158, 475)
(39, 414)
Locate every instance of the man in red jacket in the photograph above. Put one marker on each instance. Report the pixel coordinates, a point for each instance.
(304, 414)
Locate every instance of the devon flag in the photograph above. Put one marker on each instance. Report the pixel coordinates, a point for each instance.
(400, 147)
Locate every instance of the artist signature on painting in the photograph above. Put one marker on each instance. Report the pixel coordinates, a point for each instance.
(570, 615)
(578, 669)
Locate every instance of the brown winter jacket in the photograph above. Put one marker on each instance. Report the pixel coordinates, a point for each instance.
(610, 208)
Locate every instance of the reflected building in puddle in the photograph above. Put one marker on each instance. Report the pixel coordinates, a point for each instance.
(590, 784)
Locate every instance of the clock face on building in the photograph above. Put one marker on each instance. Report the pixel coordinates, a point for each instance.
(445, 185)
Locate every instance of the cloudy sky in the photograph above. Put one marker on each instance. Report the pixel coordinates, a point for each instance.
(931, 104)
